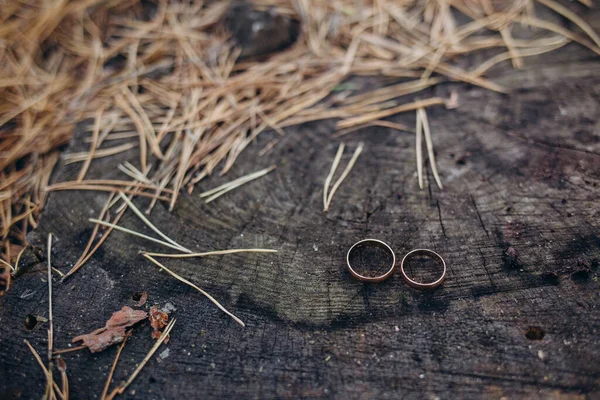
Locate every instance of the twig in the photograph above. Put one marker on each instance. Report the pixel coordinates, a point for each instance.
(179, 278)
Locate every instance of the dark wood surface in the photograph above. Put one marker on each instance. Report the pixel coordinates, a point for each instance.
(517, 222)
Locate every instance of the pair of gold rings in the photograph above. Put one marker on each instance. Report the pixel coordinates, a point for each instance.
(412, 253)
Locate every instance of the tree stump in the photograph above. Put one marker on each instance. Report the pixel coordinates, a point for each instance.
(517, 223)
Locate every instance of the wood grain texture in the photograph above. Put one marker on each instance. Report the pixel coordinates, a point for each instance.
(517, 222)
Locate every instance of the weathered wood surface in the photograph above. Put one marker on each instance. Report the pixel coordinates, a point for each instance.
(517, 223)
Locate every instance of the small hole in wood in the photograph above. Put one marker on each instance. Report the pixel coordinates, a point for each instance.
(534, 333)
(551, 278)
(30, 322)
(136, 296)
(581, 275)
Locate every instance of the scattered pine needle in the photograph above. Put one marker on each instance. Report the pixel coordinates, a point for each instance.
(217, 192)
(565, 12)
(19, 259)
(13, 269)
(429, 143)
(336, 161)
(368, 117)
(63, 351)
(210, 253)
(112, 370)
(419, 149)
(46, 372)
(112, 183)
(268, 147)
(87, 253)
(134, 233)
(50, 379)
(121, 388)
(327, 197)
(145, 220)
(102, 188)
(93, 145)
(79, 157)
(179, 278)
(62, 367)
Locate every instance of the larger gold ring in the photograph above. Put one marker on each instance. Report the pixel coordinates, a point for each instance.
(419, 285)
(372, 279)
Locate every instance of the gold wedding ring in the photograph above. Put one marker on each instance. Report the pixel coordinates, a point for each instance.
(372, 279)
(419, 285)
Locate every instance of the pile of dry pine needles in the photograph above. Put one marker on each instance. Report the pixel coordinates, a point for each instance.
(168, 79)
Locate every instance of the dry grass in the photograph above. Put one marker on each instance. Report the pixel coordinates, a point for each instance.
(168, 81)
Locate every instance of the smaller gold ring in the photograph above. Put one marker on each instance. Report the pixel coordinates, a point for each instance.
(372, 279)
(419, 285)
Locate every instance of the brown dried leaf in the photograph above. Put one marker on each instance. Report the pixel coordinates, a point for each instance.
(158, 320)
(114, 331)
